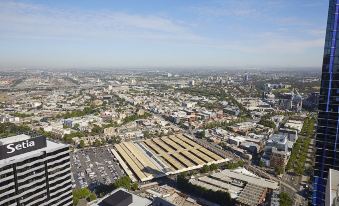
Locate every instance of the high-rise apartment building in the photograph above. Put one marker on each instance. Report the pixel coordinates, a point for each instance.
(34, 171)
(327, 139)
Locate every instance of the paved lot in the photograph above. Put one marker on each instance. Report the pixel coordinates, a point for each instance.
(94, 166)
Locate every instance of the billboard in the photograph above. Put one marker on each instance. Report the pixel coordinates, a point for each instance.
(21, 147)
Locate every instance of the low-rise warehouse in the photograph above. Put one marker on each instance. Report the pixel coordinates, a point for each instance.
(243, 186)
(151, 158)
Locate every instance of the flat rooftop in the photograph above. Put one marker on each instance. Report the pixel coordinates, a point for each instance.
(51, 146)
(242, 185)
(151, 158)
(13, 139)
(136, 200)
(244, 177)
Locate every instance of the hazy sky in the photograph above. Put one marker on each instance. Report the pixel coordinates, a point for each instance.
(112, 33)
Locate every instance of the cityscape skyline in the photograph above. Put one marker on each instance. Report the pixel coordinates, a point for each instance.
(64, 34)
(169, 102)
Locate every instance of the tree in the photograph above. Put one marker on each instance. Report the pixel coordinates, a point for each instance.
(97, 130)
(279, 170)
(213, 167)
(9, 129)
(22, 115)
(234, 165)
(114, 140)
(146, 134)
(124, 182)
(205, 169)
(92, 197)
(97, 143)
(76, 126)
(82, 193)
(136, 117)
(79, 113)
(267, 123)
(308, 126)
(285, 199)
(201, 134)
(298, 156)
(261, 163)
(134, 186)
(82, 144)
(68, 139)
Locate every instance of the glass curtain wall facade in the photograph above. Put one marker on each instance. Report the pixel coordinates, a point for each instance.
(327, 139)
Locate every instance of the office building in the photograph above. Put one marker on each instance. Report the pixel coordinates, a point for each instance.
(34, 171)
(327, 139)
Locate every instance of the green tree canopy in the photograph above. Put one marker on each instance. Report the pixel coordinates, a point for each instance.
(285, 199)
(82, 144)
(124, 182)
(83, 193)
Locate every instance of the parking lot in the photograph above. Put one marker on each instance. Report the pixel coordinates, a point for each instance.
(94, 166)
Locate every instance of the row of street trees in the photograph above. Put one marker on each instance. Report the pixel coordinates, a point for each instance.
(298, 157)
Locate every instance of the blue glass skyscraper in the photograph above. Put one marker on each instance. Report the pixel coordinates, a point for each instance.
(327, 139)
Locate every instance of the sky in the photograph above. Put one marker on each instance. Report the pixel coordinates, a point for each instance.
(162, 33)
